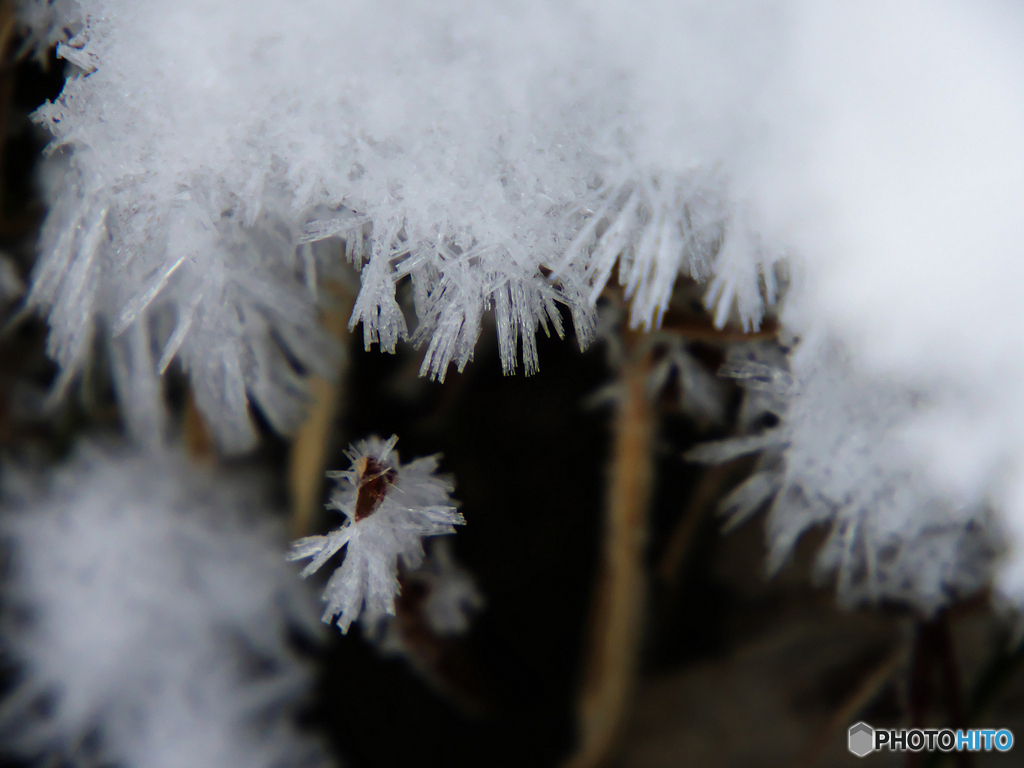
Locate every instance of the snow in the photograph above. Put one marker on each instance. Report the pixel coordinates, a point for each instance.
(874, 149)
(148, 602)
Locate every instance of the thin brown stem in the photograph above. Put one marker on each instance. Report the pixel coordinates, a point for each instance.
(7, 39)
(195, 433)
(920, 693)
(952, 692)
(708, 489)
(860, 698)
(306, 463)
(611, 667)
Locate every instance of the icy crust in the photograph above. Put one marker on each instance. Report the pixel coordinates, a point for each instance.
(201, 148)
(837, 460)
(381, 532)
(148, 604)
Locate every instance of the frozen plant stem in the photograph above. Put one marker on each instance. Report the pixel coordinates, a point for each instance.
(708, 491)
(620, 601)
(308, 457)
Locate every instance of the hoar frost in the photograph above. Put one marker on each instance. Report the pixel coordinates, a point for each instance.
(201, 149)
(389, 509)
(148, 607)
(836, 460)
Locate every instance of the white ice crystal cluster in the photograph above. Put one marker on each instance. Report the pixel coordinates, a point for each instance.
(889, 163)
(389, 509)
(877, 146)
(904, 208)
(513, 158)
(201, 148)
(146, 611)
(836, 460)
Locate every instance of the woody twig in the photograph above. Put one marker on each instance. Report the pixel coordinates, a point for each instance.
(618, 611)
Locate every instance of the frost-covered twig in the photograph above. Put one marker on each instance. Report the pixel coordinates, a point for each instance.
(389, 509)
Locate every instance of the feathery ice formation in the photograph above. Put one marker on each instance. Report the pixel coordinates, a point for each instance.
(200, 151)
(510, 162)
(892, 538)
(389, 509)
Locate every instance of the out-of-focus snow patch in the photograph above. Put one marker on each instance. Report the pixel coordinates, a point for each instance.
(147, 613)
(896, 182)
(878, 148)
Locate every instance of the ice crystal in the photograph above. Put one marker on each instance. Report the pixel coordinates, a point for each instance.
(148, 606)
(389, 509)
(508, 163)
(198, 151)
(836, 460)
(656, 228)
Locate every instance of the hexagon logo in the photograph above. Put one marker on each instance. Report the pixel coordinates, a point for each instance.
(861, 739)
